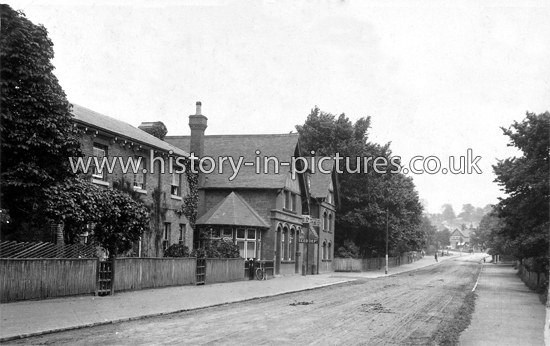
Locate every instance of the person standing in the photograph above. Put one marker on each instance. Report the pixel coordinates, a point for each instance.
(436, 256)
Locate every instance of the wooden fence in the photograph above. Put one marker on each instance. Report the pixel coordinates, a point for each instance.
(224, 270)
(531, 278)
(22, 279)
(137, 273)
(366, 264)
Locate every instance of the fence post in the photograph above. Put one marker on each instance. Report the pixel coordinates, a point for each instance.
(97, 264)
(113, 276)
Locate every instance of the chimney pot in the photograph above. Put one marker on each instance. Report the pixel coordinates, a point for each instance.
(198, 112)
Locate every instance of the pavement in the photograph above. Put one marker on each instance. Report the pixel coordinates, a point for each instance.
(37, 317)
(506, 311)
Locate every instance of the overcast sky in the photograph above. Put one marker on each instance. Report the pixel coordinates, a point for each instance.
(437, 78)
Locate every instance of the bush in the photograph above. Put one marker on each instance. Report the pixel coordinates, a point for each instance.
(177, 250)
(349, 250)
(217, 248)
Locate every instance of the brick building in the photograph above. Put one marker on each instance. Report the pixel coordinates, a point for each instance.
(261, 204)
(164, 193)
(324, 201)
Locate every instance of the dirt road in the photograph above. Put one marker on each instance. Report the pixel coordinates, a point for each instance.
(404, 309)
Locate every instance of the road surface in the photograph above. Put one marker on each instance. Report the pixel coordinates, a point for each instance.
(403, 309)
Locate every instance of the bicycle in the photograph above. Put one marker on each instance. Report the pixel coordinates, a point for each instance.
(261, 273)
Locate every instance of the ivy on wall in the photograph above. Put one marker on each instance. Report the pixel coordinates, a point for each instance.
(191, 201)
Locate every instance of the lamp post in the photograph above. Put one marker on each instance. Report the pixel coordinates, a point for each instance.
(387, 237)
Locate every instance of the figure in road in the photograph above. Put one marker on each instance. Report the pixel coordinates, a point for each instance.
(436, 256)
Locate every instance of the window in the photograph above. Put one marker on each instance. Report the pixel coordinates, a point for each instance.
(287, 200)
(216, 233)
(228, 232)
(330, 223)
(292, 246)
(139, 176)
(183, 228)
(176, 184)
(325, 222)
(247, 240)
(285, 241)
(166, 236)
(290, 201)
(282, 245)
(100, 151)
(324, 254)
(329, 251)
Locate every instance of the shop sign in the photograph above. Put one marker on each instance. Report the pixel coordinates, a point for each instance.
(307, 241)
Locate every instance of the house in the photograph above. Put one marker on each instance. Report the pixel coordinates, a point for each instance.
(157, 179)
(459, 238)
(324, 202)
(259, 203)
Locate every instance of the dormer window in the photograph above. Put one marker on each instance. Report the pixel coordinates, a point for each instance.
(290, 201)
(330, 197)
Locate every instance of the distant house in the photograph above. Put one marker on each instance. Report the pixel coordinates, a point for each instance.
(459, 238)
(107, 137)
(262, 207)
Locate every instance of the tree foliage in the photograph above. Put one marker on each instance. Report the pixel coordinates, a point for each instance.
(177, 250)
(525, 212)
(121, 220)
(366, 197)
(448, 212)
(429, 230)
(37, 184)
(217, 248)
(443, 238)
(36, 129)
(467, 213)
(158, 129)
(485, 235)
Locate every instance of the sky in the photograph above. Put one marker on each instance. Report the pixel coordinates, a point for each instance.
(436, 77)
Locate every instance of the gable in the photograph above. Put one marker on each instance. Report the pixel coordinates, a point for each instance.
(234, 211)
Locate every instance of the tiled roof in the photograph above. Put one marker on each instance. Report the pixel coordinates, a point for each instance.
(281, 146)
(464, 233)
(119, 128)
(320, 181)
(235, 211)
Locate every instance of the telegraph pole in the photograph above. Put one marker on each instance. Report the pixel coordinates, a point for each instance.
(387, 237)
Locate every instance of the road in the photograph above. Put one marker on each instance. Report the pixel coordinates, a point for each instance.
(403, 309)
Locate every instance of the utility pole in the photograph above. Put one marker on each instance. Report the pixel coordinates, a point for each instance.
(387, 237)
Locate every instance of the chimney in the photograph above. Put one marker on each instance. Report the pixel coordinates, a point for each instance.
(197, 123)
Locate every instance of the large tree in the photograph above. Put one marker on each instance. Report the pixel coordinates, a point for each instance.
(483, 238)
(467, 213)
(36, 129)
(370, 200)
(525, 212)
(38, 186)
(448, 212)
